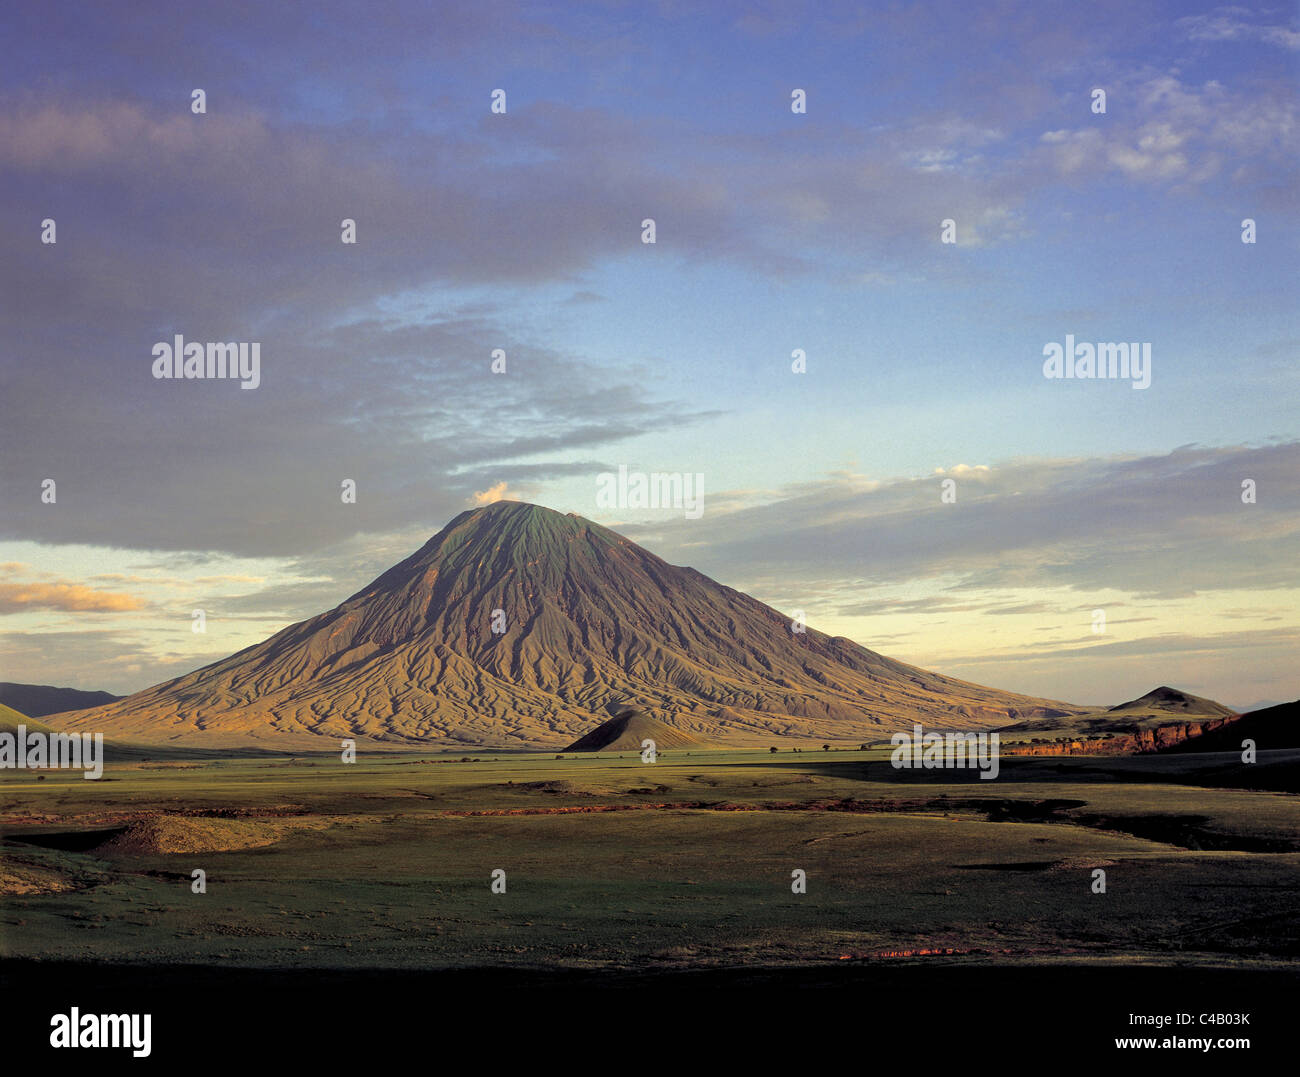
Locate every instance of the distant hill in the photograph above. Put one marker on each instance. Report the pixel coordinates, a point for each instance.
(1271, 728)
(587, 620)
(626, 731)
(38, 700)
(1166, 700)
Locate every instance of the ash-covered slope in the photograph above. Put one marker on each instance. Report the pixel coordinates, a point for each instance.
(593, 624)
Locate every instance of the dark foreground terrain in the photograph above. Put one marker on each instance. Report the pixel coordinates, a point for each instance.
(363, 892)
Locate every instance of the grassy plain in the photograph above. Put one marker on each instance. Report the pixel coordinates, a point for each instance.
(615, 864)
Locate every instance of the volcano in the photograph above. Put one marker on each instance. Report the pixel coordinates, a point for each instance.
(518, 626)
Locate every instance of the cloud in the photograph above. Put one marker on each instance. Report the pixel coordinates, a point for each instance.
(965, 471)
(403, 404)
(96, 659)
(1162, 525)
(67, 597)
(1161, 130)
(494, 493)
(1229, 24)
(1186, 644)
(409, 411)
(886, 606)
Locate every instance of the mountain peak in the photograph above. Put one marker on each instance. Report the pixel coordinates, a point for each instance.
(517, 520)
(495, 539)
(508, 507)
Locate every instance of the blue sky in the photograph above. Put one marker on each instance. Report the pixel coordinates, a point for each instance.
(776, 231)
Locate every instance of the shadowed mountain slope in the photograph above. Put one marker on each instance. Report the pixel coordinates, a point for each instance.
(1270, 728)
(592, 623)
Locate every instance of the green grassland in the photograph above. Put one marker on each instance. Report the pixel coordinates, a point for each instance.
(11, 719)
(684, 863)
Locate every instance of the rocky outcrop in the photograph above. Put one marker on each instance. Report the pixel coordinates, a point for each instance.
(1132, 743)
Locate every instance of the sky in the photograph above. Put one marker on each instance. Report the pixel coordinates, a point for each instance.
(919, 485)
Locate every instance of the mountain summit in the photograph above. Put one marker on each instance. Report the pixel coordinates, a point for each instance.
(519, 626)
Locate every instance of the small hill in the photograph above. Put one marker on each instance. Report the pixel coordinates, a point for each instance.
(626, 730)
(38, 700)
(1273, 727)
(1166, 700)
(10, 720)
(165, 834)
